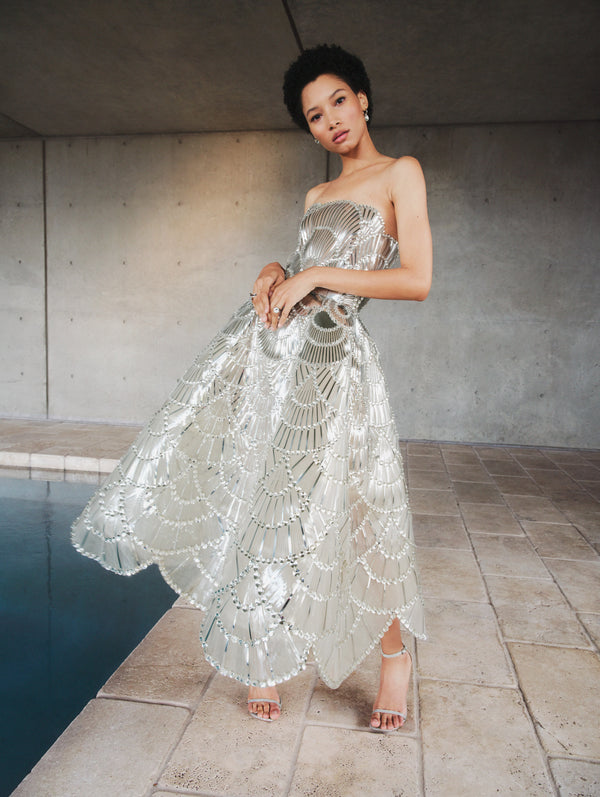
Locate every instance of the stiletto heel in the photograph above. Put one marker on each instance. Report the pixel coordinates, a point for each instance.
(380, 711)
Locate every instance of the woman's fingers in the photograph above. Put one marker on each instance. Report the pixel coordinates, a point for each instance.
(260, 297)
(285, 296)
(261, 305)
(278, 316)
(275, 297)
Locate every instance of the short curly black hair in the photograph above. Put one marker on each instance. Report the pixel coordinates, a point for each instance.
(325, 59)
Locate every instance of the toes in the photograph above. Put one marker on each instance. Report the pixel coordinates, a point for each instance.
(386, 722)
(376, 720)
(257, 708)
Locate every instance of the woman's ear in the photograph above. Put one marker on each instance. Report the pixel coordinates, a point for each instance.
(363, 100)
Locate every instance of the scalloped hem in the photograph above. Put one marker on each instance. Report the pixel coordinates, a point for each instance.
(303, 663)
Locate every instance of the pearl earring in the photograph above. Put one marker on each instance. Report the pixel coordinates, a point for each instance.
(316, 140)
(366, 113)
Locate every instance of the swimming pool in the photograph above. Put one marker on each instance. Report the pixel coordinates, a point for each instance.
(65, 623)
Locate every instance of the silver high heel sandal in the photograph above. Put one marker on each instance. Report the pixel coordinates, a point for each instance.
(387, 710)
(263, 700)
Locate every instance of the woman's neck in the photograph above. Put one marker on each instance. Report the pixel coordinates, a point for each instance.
(362, 156)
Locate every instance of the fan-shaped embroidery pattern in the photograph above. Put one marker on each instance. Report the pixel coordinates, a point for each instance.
(269, 488)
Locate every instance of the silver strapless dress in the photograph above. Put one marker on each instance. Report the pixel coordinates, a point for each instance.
(269, 488)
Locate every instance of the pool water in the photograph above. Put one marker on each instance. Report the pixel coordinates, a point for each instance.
(65, 623)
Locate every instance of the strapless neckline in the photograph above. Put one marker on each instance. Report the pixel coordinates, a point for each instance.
(352, 203)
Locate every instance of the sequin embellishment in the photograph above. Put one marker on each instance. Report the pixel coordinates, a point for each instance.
(269, 488)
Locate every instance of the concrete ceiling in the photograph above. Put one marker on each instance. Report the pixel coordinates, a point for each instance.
(101, 67)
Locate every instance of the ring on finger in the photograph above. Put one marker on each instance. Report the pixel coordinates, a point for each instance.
(253, 295)
(276, 310)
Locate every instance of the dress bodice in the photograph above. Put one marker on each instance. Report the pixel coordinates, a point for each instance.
(343, 234)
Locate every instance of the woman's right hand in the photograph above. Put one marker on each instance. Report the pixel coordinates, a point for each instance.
(269, 278)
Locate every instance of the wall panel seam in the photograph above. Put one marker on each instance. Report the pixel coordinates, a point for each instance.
(45, 234)
(292, 25)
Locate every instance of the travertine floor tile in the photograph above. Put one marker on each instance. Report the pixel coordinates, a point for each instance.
(463, 724)
(517, 485)
(429, 479)
(581, 471)
(114, 747)
(534, 610)
(558, 541)
(442, 531)
(451, 574)
(592, 624)
(553, 481)
(351, 703)
(167, 665)
(468, 473)
(506, 555)
(433, 502)
(490, 519)
(593, 488)
(47, 461)
(564, 455)
(576, 778)
(225, 751)
(503, 467)
(477, 493)
(492, 452)
(15, 459)
(90, 464)
(455, 652)
(425, 463)
(460, 454)
(533, 459)
(580, 581)
(579, 502)
(534, 508)
(561, 685)
(427, 449)
(585, 518)
(338, 763)
(63, 437)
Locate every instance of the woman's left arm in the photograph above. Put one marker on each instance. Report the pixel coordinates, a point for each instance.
(411, 281)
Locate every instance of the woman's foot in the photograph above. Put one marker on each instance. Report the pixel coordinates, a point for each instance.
(391, 699)
(263, 703)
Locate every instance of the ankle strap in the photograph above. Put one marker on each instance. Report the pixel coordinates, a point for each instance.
(395, 655)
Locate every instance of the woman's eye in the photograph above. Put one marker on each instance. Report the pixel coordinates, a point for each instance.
(316, 117)
(339, 100)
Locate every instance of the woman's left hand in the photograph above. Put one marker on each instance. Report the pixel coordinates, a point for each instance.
(287, 294)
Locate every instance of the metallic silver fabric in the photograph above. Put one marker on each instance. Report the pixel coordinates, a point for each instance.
(269, 488)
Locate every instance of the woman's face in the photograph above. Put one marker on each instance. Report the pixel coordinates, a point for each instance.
(335, 114)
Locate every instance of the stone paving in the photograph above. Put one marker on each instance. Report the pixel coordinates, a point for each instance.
(505, 693)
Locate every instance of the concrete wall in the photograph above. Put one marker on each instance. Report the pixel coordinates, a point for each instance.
(507, 346)
(151, 242)
(22, 280)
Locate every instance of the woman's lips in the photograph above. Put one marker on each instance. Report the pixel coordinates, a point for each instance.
(340, 137)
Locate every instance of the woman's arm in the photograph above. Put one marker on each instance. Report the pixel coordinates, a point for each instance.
(411, 281)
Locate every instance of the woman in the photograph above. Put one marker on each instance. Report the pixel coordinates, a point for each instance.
(269, 488)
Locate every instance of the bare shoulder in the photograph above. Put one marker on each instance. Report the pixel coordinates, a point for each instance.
(406, 182)
(407, 170)
(313, 195)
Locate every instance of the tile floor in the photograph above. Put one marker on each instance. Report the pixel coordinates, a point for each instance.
(505, 696)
